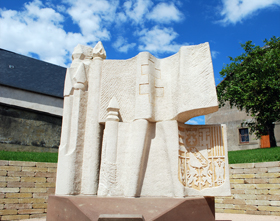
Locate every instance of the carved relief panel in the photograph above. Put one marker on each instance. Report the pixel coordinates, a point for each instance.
(202, 156)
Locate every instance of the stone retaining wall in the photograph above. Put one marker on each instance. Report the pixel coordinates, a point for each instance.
(25, 187)
(255, 189)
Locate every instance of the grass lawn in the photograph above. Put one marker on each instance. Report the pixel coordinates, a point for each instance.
(240, 156)
(255, 155)
(29, 156)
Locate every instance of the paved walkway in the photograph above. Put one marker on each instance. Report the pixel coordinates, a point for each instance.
(220, 217)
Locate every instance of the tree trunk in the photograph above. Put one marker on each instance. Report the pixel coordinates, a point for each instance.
(270, 129)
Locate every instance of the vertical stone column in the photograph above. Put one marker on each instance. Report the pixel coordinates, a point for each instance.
(93, 130)
(108, 174)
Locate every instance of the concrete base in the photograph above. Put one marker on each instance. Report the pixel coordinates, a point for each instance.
(86, 208)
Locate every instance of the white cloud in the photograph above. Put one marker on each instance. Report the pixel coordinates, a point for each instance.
(165, 13)
(93, 16)
(121, 45)
(158, 40)
(235, 11)
(137, 9)
(38, 28)
(214, 54)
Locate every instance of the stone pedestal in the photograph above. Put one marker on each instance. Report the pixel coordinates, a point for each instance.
(85, 208)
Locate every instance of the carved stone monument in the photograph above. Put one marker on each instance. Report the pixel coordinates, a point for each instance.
(123, 132)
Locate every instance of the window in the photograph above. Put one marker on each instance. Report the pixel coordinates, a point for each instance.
(243, 135)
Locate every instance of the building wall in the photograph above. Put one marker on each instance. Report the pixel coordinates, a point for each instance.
(28, 128)
(233, 119)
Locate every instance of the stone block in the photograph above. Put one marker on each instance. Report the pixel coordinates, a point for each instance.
(257, 202)
(245, 196)
(40, 164)
(236, 180)
(255, 170)
(42, 185)
(234, 201)
(11, 179)
(237, 170)
(34, 179)
(219, 200)
(8, 212)
(275, 213)
(41, 174)
(219, 210)
(267, 175)
(274, 180)
(32, 200)
(245, 207)
(41, 195)
(238, 211)
(2, 195)
(20, 174)
(14, 217)
(10, 168)
(52, 170)
(18, 206)
(51, 180)
(8, 201)
(269, 208)
(274, 192)
(21, 184)
(50, 190)
(256, 181)
(3, 173)
(274, 169)
(3, 184)
(22, 163)
(41, 215)
(9, 190)
(242, 165)
(234, 191)
(244, 186)
(239, 176)
(35, 169)
(30, 211)
(267, 186)
(253, 212)
(268, 197)
(257, 192)
(268, 164)
(39, 205)
(33, 190)
(225, 206)
(79, 207)
(4, 162)
(18, 195)
(275, 203)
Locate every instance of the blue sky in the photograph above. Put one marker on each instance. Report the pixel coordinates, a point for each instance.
(50, 29)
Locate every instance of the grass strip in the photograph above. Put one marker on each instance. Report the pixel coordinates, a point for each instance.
(254, 155)
(29, 156)
(239, 156)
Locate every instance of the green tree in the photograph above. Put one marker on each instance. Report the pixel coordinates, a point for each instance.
(252, 83)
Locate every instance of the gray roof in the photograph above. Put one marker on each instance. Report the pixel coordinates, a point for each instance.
(30, 74)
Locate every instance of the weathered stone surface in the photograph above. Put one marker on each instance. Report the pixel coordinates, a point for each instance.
(147, 150)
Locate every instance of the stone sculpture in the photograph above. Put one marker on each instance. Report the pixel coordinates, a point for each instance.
(145, 148)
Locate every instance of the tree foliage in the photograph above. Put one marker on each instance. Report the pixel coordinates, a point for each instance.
(252, 83)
